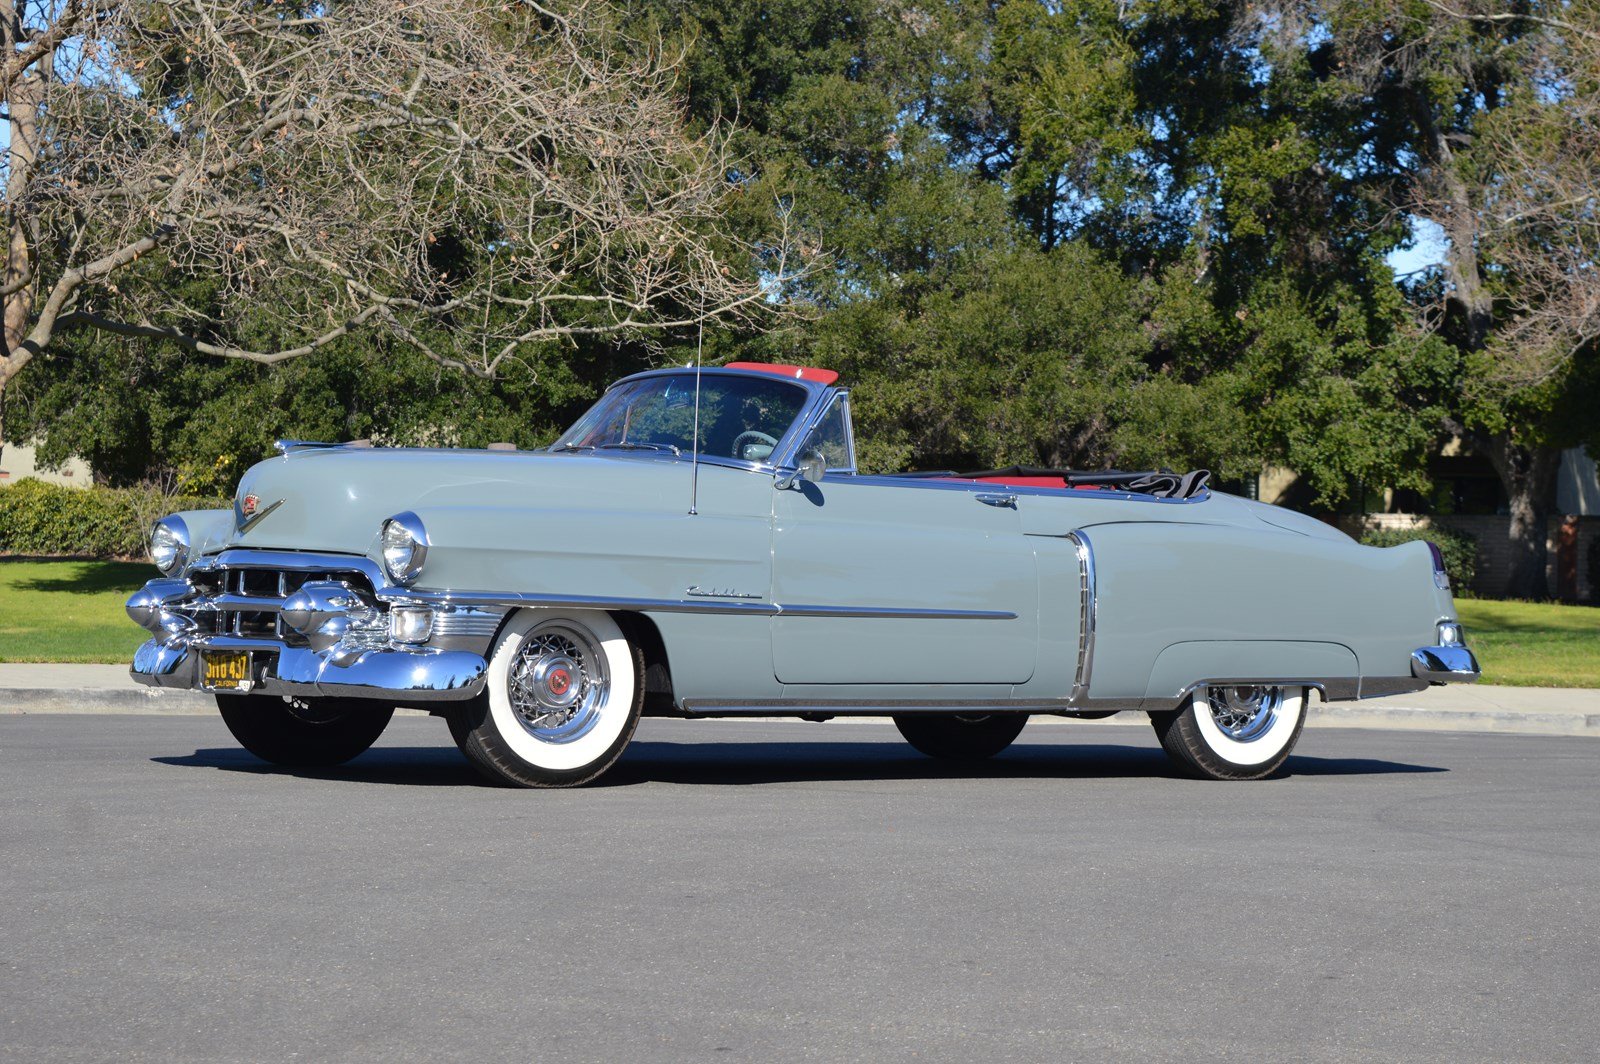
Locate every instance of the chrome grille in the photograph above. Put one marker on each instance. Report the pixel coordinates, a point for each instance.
(246, 602)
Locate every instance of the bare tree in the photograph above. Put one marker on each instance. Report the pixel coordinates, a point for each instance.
(471, 176)
(1542, 213)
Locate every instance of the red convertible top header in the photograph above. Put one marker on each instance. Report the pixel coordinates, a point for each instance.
(799, 373)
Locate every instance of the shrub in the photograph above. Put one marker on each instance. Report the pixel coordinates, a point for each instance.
(41, 518)
(1460, 549)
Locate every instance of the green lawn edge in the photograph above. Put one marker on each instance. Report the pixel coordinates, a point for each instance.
(71, 612)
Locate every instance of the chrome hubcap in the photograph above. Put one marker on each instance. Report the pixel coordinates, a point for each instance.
(1244, 714)
(557, 684)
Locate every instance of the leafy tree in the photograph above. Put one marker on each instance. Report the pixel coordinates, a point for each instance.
(1479, 119)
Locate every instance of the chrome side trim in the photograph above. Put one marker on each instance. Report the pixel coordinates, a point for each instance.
(648, 605)
(467, 621)
(788, 610)
(1088, 606)
(577, 602)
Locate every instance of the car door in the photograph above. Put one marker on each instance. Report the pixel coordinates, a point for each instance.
(884, 580)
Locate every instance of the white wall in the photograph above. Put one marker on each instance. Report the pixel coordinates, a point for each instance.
(1577, 487)
(16, 462)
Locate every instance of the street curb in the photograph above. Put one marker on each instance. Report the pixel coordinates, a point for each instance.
(151, 700)
(1355, 715)
(156, 701)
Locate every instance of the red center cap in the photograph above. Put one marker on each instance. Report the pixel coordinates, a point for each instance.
(559, 681)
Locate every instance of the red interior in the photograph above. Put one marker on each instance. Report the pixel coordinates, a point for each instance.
(1059, 483)
(780, 369)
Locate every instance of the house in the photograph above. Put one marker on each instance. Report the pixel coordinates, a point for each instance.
(17, 461)
(1467, 497)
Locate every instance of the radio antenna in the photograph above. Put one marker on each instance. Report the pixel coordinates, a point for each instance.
(694, 454)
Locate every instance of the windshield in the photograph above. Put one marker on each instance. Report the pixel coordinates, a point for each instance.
(740, 417)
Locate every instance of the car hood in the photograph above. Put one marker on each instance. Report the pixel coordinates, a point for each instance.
(336, 499)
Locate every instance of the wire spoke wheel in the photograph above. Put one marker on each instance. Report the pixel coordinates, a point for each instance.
(563, 697)
(558, 683)
(1244, 714)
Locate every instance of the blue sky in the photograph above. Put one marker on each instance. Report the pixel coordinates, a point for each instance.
(1426, 249)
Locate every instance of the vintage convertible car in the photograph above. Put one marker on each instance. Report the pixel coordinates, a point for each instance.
(700, 544)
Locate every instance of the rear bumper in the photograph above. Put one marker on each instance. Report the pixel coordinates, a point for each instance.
(393, 673)
(1444, 664)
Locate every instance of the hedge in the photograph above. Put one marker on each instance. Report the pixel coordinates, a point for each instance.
(50, 519)
(1460, 549)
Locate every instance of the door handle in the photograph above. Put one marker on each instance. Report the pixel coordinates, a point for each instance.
(997, 500)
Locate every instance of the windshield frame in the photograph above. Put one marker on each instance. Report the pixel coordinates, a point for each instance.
(818, 397)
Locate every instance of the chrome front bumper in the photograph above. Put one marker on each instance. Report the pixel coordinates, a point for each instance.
(1453, 663)
(313, 625)
(401, 674)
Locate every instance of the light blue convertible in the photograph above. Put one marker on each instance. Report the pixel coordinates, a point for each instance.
(542, 602)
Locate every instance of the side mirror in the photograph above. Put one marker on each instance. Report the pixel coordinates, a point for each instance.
(811, 468)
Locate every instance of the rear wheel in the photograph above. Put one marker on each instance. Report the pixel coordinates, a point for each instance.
(961, 737)
(1233, 732)
(304, 732)
(564, 693)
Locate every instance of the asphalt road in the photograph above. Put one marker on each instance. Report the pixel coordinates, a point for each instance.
(752, 891)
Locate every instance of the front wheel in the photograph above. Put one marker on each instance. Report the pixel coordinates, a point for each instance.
(564, 693)
(304, 732)
(960, 737)
(1233, 732)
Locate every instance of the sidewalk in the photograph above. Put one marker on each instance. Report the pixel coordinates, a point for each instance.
(1468, 707)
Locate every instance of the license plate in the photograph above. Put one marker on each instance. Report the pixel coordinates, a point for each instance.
(225, 670)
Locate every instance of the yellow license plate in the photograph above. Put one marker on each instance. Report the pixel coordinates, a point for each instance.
(225, 670)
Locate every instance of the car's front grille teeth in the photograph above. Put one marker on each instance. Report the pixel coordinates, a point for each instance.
(246, 603)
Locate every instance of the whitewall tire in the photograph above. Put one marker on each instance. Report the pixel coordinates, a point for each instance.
(562, 700)
(1233, 732)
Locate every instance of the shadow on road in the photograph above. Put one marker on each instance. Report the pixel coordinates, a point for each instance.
(746, 764)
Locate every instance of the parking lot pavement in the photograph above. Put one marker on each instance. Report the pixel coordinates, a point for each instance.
(745, 891)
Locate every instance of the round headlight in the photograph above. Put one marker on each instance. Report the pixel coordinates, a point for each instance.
(169, 545)
(405, 547)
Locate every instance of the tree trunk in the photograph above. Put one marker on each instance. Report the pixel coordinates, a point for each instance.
(1529, 476)
(21, 105)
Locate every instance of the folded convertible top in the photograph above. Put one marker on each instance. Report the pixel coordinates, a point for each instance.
(1159, 483)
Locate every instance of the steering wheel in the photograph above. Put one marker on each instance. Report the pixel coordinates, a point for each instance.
(741, 441)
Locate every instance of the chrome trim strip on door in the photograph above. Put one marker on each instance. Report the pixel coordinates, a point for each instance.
(787, 610)
(581, 602)
(1088, 602)
(648, 605)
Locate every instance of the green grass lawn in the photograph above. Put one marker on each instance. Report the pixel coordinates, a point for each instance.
(1534, 644)
(72, 611)
(69, 611)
